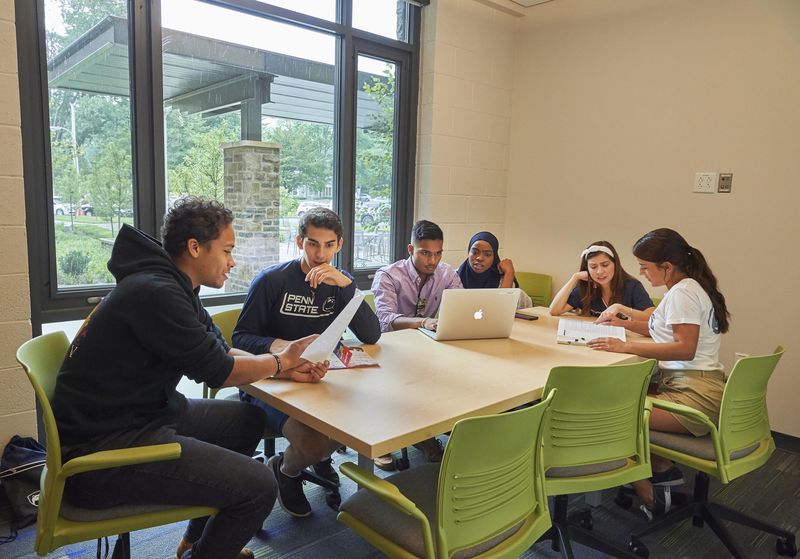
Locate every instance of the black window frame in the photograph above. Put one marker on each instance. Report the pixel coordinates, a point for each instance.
(48, 303)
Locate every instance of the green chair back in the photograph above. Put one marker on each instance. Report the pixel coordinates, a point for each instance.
(538, 286)
(742, 441)
(41, 358)
(491, 480)
(369, 297)
(226, 322)
(656, 300)
(743, 416)
(599, 416)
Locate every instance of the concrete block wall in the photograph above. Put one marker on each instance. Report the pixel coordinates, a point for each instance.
(464, 120)
(17, 403)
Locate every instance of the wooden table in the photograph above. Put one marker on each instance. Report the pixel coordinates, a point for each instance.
(422, 387)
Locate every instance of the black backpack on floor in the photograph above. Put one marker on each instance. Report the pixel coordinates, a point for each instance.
(20, 471)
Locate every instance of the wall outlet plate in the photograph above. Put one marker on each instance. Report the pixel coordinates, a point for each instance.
(705, 183)
(725, 182)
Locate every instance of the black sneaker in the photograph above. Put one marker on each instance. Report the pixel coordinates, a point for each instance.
(432, 449)
(325, 470)
(668, 478)
(290, 490)
(662, 497)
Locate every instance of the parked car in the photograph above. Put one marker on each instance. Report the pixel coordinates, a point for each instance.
(86, 209)
(308, 204)
(375, 210)
(60, 208)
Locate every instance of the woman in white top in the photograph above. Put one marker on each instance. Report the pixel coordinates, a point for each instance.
(687, 326)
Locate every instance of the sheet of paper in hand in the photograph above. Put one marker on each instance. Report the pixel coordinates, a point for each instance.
(321, 349)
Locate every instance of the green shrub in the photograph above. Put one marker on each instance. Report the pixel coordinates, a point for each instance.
(74, 263)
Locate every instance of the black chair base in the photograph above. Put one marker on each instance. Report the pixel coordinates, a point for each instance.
(704, 512)
(122, 547)
(577, 527)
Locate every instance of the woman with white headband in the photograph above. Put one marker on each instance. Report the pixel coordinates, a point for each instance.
(600, 283)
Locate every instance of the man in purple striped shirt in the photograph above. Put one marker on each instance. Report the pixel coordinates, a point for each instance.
(408, 294)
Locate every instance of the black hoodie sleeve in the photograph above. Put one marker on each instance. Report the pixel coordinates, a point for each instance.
(168, 325)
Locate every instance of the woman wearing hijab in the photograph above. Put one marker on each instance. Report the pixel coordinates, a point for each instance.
(484, 268)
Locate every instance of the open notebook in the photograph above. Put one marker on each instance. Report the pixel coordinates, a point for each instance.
(578, 332)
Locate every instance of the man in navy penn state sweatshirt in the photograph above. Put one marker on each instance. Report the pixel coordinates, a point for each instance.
(288, 301)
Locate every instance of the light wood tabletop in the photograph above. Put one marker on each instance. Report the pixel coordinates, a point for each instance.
(422, 387)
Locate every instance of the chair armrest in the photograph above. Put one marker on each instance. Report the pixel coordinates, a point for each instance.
(381, 488)
(392, 495)
(680, 409)
(120, 457)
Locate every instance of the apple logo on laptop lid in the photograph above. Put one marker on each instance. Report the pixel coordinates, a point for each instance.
(478, 314)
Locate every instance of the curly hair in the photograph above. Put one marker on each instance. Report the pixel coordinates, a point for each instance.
(193, 218)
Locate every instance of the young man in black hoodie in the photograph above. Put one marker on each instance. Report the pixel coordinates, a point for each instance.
(116, 387)
(285, 302)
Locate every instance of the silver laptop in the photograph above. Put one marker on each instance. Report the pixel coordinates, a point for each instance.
(469, 314)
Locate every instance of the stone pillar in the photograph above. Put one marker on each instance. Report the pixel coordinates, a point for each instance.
(252, 194)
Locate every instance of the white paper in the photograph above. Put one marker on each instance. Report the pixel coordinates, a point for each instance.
(321, 349)
(579, 332)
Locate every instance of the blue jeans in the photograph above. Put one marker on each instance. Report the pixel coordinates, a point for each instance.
(217, 438)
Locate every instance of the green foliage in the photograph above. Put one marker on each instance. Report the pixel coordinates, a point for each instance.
(201, 171)
(375, 142)
(83, 239)
(306, 155)
(288, 203)
(110, 180)
(74, 263)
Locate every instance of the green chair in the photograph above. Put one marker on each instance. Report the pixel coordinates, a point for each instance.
(226, 322)
(58, 523)
(596, 437)
(538, 286)
(656, 300)
(486, 499)
(369, 297)
(742, 443)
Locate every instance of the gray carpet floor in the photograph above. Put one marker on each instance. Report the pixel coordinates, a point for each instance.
(772, 492)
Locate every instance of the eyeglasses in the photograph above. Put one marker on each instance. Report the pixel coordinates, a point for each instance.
(419, 307)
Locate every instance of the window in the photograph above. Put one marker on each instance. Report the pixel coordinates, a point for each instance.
(120, 129)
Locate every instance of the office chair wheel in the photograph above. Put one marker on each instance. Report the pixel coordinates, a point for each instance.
(638, 548)
(786, 547)
(402, 463)
(623, 501)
